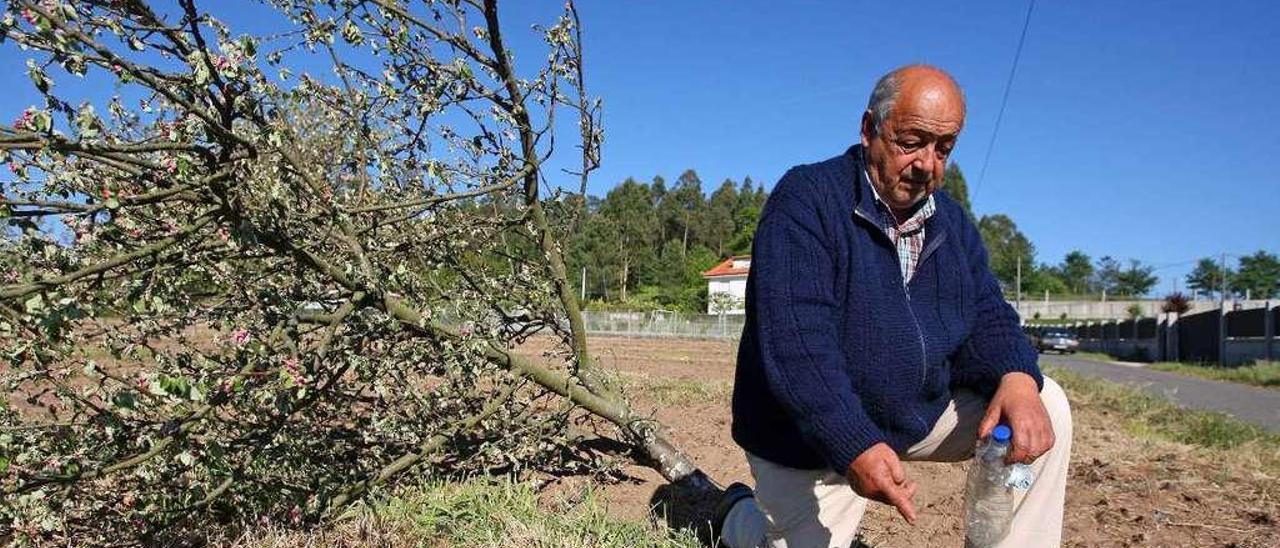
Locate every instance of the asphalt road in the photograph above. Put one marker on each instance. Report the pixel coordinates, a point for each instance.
(1260, 406)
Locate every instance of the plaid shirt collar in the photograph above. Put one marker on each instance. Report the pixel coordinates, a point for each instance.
(907, 236)
(889, 223)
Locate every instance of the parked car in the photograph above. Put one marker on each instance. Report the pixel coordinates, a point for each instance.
(1058, 340)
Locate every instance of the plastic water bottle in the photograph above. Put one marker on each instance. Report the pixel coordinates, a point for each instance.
(988, 497)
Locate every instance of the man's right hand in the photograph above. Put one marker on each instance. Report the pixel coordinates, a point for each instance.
(877, 474)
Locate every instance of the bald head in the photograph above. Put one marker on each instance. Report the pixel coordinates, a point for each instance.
(911, 124)
(913, 82)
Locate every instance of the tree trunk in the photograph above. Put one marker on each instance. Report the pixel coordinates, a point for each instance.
(684, 242)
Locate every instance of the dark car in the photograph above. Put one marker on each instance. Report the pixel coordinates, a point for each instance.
(1058, 340)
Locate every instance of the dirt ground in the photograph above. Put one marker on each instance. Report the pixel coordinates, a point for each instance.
(1122, 491)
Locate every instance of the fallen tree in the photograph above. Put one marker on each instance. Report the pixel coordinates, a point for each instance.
(250, 277)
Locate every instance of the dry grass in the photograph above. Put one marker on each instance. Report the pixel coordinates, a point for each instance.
(1146, 416)
(675, 391)
(1144, 473)
(486, 513)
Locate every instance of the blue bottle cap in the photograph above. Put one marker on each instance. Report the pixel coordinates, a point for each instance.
(1001, 433)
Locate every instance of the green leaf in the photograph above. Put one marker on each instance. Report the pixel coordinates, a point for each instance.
(249, 46)
(176, 386)
(351, 33)
(35, 304)
(41, 120)
(38, 76)
(126, 399)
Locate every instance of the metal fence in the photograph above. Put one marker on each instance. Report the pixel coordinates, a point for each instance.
(664, 324)
(1228, 337)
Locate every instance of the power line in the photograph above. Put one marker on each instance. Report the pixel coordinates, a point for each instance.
(1008, 85)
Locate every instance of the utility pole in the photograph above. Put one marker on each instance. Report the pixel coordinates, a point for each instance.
(1018, 292)
(1222, 311)
(584, 284)
(1222, 280)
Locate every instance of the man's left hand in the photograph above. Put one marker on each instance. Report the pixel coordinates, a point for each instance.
(1017, 404)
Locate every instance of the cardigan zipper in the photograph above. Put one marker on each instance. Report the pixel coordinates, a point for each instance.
(924, 352)
(906, 292)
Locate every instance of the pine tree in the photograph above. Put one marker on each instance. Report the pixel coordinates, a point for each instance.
(628, 211)
(1006, 247)
(954, 185)
(1076, 270)
(1258, 276)
(717, 220)
(1208, 277)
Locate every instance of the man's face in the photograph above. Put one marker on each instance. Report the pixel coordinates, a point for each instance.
(907, 155)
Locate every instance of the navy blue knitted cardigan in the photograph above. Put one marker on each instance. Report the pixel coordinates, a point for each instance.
(837, 354)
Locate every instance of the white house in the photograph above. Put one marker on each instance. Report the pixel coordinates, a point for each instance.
(727, 285)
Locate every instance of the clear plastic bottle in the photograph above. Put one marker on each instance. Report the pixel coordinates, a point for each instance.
(988, 499)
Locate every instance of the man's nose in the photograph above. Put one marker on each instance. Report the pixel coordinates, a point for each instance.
(925, 158)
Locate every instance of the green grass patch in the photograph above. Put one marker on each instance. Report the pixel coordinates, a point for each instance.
(481, 512)
(1095, 356)
(670, 391)
(1264, 374)
(1154, 417)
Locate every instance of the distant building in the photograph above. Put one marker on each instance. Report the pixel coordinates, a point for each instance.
(727, 285)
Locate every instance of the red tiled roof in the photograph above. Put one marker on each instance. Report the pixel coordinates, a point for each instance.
(725, 268)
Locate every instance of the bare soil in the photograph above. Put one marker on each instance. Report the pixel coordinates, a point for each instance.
(1123, 490)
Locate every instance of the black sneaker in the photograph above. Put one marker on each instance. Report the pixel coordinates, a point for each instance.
(732, 495)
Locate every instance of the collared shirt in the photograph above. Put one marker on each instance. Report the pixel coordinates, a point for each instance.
(907, 236)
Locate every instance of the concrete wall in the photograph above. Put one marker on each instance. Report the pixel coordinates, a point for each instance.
(1132, 349)
(1246, 350)
(1109, 310)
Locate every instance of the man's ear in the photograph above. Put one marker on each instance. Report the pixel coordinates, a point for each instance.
(868, 128)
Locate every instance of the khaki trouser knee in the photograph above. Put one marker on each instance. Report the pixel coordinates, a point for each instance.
(817, 508)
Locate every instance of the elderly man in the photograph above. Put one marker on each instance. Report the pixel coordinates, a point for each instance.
(875, 333)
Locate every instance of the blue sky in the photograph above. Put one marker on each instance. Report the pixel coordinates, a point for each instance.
(1134, 130)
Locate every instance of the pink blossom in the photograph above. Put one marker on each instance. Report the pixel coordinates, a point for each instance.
(116, 68)
(29, 15)
(170, 165)
(295, 514)
(221, 63)
(240, 336)
(293, 368)
(13, 166)
(12, 276)
(24, 121)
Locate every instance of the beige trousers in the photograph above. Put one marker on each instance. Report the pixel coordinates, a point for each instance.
(817, 508)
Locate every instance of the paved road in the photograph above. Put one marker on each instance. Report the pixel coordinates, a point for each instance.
(1260, 406)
